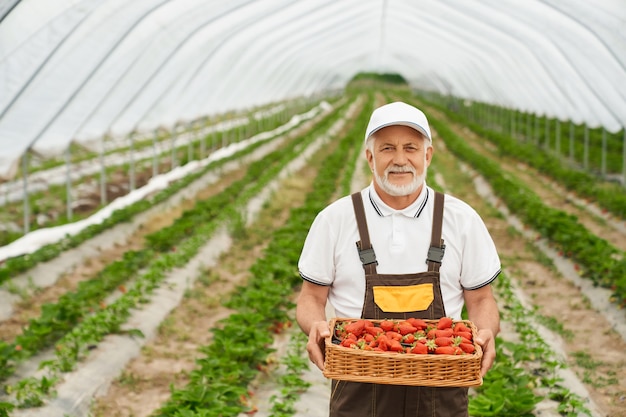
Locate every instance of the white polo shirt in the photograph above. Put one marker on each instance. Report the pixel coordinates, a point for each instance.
(400, 239)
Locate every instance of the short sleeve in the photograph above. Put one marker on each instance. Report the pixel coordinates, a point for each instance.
(316, 263)
(481, 262)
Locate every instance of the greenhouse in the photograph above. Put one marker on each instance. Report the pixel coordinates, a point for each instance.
(162, 164)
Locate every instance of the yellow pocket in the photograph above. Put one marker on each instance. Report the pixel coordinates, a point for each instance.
(403, 299)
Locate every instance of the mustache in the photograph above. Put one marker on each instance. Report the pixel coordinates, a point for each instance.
(400, 168)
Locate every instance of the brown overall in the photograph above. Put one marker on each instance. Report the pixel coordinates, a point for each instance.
(355, 399)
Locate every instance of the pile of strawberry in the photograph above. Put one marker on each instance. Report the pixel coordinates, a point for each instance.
(443, 336)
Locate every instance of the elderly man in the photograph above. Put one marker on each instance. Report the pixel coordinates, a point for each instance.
(426, 254)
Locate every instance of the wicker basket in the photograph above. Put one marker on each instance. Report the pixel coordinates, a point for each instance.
(432, 370)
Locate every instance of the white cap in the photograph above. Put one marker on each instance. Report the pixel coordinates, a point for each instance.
(398, 113)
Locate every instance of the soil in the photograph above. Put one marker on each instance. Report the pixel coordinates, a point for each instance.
(166, 360)
(599, 361)
(30, 307)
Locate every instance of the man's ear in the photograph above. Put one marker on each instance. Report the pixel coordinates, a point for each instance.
(429, 155)
(370, 158)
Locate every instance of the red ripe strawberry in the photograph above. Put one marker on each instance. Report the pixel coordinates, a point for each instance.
(445, 350)
(374, 331)
(443, 341)
(419, 323)
(395, 346)
(405, 328)
(431, 333)
(460, 339)
(387, 325)
(348, 343)
(356, 328)
(444, 333)
(444, 323)
(419, 348)
(383, 342)
(394, 335)
(409, 338)
(467, 347)
(448, 350)
(465, 335)
(461, 327)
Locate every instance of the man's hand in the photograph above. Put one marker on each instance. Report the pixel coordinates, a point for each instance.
(486, 340)
(315, 345)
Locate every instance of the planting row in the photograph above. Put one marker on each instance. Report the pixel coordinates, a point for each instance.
(19, 264)
(598, 259)
(73, 318)
(97, 179)
(219, 384)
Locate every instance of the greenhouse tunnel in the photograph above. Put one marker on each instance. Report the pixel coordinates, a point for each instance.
(93, 73)
(123, 122)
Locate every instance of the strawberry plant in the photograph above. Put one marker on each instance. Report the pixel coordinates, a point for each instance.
(75, 345)
(263, 301)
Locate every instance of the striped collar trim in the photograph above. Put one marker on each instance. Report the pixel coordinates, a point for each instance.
(414, 210)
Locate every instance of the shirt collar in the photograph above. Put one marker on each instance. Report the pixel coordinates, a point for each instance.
(413, 210)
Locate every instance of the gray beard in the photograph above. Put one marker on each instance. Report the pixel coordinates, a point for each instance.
(400, 190)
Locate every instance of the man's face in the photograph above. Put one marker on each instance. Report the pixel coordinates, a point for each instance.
(400, 159)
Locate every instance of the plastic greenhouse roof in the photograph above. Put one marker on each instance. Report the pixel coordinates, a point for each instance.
(74, 70)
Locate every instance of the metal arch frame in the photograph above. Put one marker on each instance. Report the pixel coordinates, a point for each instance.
(216, 46)
(294, 47)
(293, 69)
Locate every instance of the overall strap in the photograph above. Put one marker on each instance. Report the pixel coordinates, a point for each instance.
(364, 246)
(437, 248)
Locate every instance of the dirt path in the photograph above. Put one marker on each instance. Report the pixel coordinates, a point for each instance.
(145, 383)
(30, 306)
(146, 380)
(599, 361)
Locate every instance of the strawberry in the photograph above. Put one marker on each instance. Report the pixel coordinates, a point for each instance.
(387, 325)
(393, 335)
(409, 338)
(395, 346)
(355, 328)
(444, 323)
(448, 350)
(465, 335)
(444, 333)
(419, 323)
(383, 342)
(443, 341)
(374, 331)
(348, 343)
(461, 327)
(419, 348)
(405, 328)
(460, 339)
(467, 347)
(445, 350)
